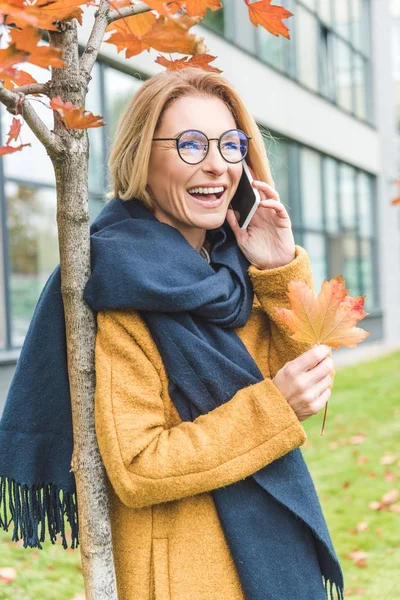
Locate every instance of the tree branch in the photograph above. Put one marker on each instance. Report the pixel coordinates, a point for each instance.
(32, 88)
(103, 17)
(127, 11)
(17, 103)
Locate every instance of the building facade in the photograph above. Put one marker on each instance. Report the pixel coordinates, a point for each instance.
(325, 100)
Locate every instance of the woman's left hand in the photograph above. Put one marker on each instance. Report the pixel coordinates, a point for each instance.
(268, 241)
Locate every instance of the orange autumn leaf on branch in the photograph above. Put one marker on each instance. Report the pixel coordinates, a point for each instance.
(328, 318)
(142, 32)
(75, 117)
(268, 16)
(201, 61)
(198, 8)
(14, 130)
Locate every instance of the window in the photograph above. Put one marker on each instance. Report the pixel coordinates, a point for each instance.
(33, 250)
(306, 47)
(214, 19)
(328, 51)
(343, 75)
(119, 89)
(310, 182)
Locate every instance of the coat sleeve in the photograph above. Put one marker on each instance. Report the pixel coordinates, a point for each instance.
(148, 462)
(270, 287)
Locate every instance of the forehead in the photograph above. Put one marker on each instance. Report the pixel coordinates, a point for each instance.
(208, 114)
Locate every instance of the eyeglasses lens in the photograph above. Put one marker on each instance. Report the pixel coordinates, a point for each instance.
(193, 145)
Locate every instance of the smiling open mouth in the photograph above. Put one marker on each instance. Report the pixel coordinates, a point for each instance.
(205, 196)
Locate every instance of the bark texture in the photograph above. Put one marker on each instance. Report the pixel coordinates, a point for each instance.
(71, 171)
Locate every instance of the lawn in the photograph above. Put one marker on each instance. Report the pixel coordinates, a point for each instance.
(356, 462)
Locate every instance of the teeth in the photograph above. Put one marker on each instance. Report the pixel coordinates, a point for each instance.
(202, 190)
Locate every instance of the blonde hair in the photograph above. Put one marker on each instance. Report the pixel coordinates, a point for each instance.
(130, 152)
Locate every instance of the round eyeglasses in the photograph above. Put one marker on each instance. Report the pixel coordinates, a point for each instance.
(193, 145)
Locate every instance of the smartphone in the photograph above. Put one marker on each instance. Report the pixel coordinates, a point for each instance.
(246, 198)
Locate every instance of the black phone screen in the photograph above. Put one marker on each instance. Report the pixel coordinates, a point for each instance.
(244, 198)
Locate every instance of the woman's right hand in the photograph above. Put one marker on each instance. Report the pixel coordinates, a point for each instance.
(305, 381)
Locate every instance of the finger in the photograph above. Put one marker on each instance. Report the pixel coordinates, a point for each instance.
(232, 218)
(269, 191)
(308, 360)
(275, 204)
(324, 368)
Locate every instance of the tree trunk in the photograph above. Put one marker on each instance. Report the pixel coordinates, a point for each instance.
(71, 170)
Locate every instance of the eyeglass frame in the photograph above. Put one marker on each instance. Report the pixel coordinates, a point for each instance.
(176, 139)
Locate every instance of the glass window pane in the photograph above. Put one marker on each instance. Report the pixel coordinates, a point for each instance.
(306, 47)
(348, 215)
(360, 86)
(343, 75)
(32, 163)
(341, 18)
(310, 3)
(314, 243)
(273, 50)
(33, 250)
(325, 11)
(331, 194)
(311, 200)
(360, 24)
(97, 173)
(365, 205)
(214, 19)
(278, 155)
(120, 88)
(367, 272)
(350, 265)
(326, 64)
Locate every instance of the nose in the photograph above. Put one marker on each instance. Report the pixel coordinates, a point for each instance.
(214, 162)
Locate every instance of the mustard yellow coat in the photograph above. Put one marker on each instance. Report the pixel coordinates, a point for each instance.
(168, 543)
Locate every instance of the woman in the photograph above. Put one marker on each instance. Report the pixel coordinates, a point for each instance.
(200, 390)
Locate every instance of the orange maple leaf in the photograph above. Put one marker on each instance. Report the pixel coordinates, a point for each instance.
(201, 61)
(75, 117)
(328, 319)
(14, 130)
(167, 10)
(269, 17)
(198, 8)
(10, 149)
(45, 56)
(142, 32)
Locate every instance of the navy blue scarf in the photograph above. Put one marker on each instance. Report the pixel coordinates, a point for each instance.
(273, 520)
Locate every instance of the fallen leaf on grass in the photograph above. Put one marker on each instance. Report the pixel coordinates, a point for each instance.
(388, 459)
(358, 557)
(358, 439)
(7, 574)
(361, 460)
(389, 476)
(363, 526)
(355, 592)
(386, 501)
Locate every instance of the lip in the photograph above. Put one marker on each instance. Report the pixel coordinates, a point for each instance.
(207, 203)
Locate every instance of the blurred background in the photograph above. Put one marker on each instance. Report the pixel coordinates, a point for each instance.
(328, 103)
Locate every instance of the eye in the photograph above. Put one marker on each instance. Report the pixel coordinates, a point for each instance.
(191, 145)
(230, 145)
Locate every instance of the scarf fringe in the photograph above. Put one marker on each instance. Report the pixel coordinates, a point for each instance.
(31, 505)
(339, 590)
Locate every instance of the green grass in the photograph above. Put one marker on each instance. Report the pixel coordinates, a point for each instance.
(365, 400)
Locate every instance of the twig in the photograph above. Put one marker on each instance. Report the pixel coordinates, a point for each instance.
(103, 17)
(17, 104)
(32, 88)
(127, 11)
